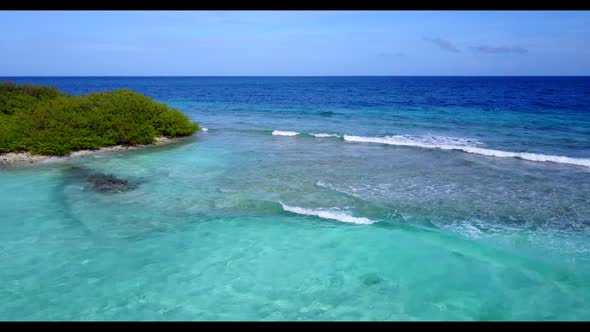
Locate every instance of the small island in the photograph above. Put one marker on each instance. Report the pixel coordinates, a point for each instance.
(39, 121)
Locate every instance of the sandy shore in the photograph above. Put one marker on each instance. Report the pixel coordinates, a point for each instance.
(26, 158)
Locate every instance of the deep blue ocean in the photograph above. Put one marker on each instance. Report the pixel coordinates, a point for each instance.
(316, 198)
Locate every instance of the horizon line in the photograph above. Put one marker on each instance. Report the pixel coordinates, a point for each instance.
(192, 76)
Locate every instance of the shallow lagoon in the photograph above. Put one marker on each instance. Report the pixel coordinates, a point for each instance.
(452, 235)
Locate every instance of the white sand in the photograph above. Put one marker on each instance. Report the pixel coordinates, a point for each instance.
(25, 158)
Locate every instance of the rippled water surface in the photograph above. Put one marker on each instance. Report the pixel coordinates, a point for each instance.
(359, 198)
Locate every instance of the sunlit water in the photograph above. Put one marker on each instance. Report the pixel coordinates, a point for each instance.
(415, 203)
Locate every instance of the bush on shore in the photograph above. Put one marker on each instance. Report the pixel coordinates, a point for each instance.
(42, 120)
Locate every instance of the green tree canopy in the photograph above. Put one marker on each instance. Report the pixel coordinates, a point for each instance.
(44, 121)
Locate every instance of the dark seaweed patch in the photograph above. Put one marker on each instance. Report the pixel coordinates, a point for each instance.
(99, 182)
(370, 279)
(107, 183)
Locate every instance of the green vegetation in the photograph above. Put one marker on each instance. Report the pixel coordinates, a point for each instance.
(44, 121)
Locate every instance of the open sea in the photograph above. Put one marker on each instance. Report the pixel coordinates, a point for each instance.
(316, 198)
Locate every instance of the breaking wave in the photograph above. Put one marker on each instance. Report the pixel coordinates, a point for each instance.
(464, 145)
(327, 214)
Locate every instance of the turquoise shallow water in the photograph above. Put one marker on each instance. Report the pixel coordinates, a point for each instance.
(236, 223)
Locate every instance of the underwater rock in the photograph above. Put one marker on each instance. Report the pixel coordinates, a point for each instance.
(97, 181)
(456, 253)
(106, 183)
(370, 279)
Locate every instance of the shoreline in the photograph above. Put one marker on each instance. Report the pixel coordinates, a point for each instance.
(28, 159)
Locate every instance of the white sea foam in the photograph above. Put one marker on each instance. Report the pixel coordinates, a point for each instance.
(327, 214)
(464, 145)
(425, 141)
(284, 133)
(466, 229)
(322, 184)
(321, 135)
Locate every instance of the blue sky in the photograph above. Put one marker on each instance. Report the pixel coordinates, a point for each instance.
(294, 43)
